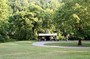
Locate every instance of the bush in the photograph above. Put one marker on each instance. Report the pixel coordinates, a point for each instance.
(60, 37)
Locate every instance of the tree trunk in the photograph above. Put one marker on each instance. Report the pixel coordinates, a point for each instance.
(79, 42)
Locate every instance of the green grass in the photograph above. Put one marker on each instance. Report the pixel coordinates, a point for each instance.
(24, 50)
(70, 43)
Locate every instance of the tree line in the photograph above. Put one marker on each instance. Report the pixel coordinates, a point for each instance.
(24, 19)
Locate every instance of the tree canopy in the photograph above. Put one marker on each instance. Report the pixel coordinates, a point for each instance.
(73, 18)
(24, 19)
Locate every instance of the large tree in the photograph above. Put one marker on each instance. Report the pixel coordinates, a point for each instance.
(25, 24)
(74, 18)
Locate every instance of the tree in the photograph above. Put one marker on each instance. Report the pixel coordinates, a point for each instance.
(25, 24)
(4, 13)
(73, 17)
(21, 25)
(47, 20)
(18, 5)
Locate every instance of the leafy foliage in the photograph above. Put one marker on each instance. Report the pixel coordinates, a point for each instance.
(24, 19)
(73, 18)
(4, 13)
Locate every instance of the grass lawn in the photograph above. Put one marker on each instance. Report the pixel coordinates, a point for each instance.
(24, 50)
(70, 43)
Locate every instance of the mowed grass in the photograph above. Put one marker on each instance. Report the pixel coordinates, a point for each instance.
(70, 43)
(25, 50)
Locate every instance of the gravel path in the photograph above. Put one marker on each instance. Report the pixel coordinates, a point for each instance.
(42, 43)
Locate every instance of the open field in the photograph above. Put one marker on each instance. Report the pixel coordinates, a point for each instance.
(25, 50)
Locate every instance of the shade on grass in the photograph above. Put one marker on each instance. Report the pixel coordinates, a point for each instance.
(24, 50)
(70, 43)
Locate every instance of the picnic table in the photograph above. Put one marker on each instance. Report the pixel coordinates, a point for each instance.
(47, 36)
